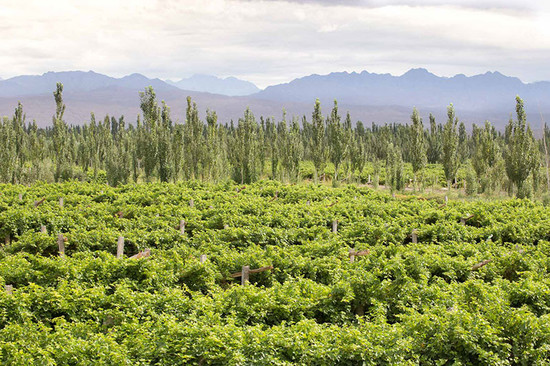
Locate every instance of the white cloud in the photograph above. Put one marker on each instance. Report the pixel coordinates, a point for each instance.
(274, 41)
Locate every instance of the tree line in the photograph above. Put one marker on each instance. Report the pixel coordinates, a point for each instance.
(157, 148)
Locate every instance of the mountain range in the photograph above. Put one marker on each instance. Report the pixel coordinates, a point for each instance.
(212, 84)
(368, 97)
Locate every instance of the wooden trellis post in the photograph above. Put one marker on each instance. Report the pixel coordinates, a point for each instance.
(246, 271)
(9, 289)
(182, 227)
(203, 258)
(61, 244)
(308, 202)
(43, 229)
(352, 255)
(335, 226)
(446, 199)
(60, 201)
(414, 236)
(226, 226)
(120, 247)
(20, 197)
(245, 274)
(191, 203)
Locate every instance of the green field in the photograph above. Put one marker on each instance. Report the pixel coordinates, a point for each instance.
(475, 292)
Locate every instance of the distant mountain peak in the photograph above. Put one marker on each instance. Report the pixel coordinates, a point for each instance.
(418, 72)
(230, 86)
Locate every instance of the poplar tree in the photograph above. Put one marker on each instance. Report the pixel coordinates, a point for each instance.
(486, 154)
(59, 133)
(394, 168)
(318, 150)
(434, 142)
(148, 139)
(164, 149)
(520, 154)
(193, 140)
(418, 150)
(336, 141)
(450, 146)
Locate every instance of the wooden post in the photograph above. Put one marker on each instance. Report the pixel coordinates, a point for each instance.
(20, 197)
(446, 199)
(60, 201)
(182, 227)
(369, 181)
(61, 245)
(244, 275)
(120, 247)
(226, 226)
(335, 226)
(191, 203)
(43, 229)
(308, 202)
(9, 289)
(203, 258)
(414, 236)
(351, 255)
(7, 239)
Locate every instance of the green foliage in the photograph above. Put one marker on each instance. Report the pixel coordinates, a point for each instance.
(521, 153)
(402, 303)
(450, 158)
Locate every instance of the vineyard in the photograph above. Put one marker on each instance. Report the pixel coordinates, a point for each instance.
(345, 276)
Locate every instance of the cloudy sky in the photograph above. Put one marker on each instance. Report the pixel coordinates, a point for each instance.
(275, 41)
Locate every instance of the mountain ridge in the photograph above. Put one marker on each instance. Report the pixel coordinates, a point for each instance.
(369, 97)
(230, 86)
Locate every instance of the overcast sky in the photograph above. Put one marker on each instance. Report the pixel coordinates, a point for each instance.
(274, 41)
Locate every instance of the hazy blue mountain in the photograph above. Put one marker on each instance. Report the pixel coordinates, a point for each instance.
(491, 91)
(212, 84)
(74, 81)
(368, 97)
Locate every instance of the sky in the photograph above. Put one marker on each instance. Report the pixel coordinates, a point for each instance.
(269, 42)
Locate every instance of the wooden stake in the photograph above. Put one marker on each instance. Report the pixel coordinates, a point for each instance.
(43, 229)
(120, 247)
(308, 202)
(226, 226)
(191, 203)
(352, 255)
(414, 236)
(20, 197)
(446, 199)
(182, 227)
(9, 289)
(60, 201)
(61, 245)
(203, 258)
(244, 275)
(335, 226)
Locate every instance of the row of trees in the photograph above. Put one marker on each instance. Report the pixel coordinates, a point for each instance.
(157, 148)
